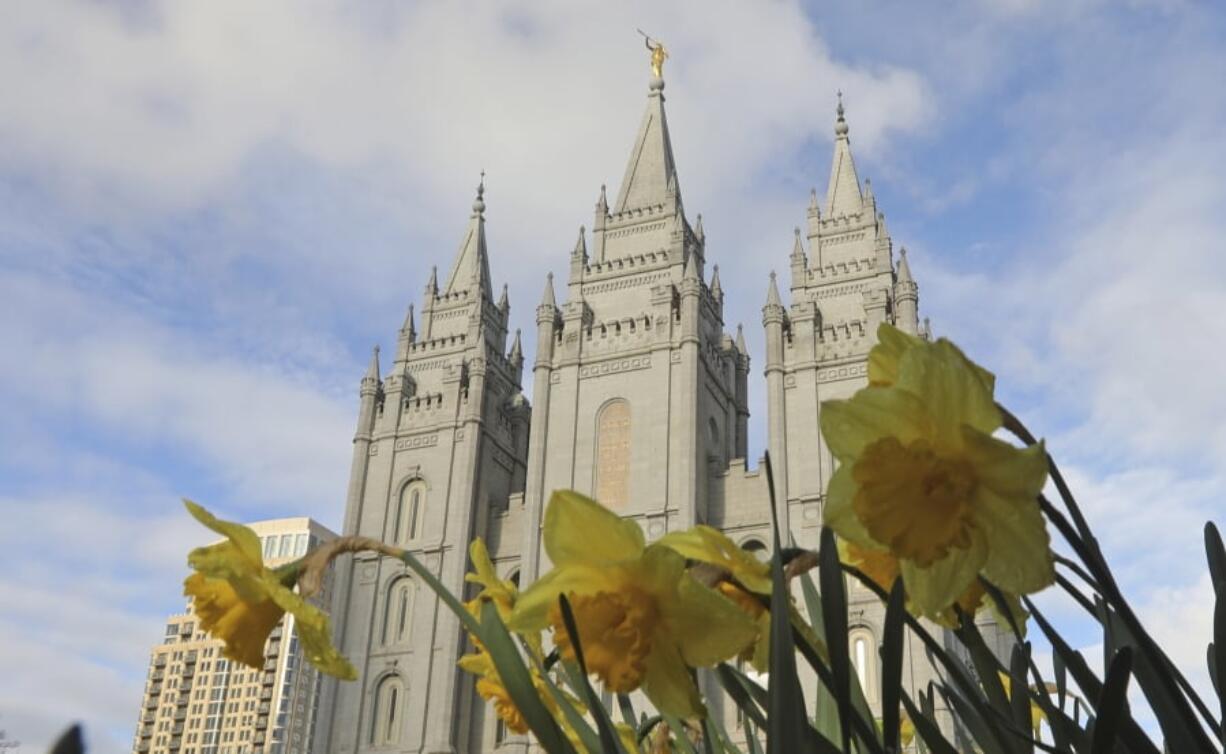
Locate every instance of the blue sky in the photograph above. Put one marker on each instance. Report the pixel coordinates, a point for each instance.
(210, 212)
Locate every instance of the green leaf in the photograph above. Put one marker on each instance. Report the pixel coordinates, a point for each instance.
(926, 729)
(834, 614)
(517, 680)
(680, 736)
(740, 693)
(627, 709)
(591, 741)
(891, 665)
(1216, 555)
(69, 742)
(1217, 658)
(1019, 698)
(609, 741)
(1112, 704)
(787, 725)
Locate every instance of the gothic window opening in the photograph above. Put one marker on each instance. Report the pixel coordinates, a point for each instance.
(387, 721)
(864, 659)
(756, 549)
(398, 611)
(613, 454)
(409, 516)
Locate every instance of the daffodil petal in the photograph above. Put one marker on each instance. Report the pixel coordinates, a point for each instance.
(884, 357)
(872, 413)
(709, 627)
(314, 632)
(708, 545)
(951, 390)
(668, 683)
(1019, 548)
(1006, 469)
(936, 587)
(838, 512)
(532, 608)
(247, 541)
(580, 530)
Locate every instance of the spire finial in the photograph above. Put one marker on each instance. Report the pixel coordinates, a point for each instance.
(840, 125)
(479, 202)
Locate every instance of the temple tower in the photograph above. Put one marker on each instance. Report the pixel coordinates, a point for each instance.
(639, 393)
(441, 446)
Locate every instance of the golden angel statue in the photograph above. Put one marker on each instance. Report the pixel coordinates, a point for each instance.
(658, 55)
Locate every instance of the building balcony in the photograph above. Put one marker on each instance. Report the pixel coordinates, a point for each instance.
(146, 731)
(266, 695)
(151, 702)
(268, 679)
(270, 663)
(261, 722)
(259, 739)
(157, 675)
(142, 747)
(177, 730)
(190, 658)
(147, 717)
(181, 713)
(183, 699)
(159, 661)
(174, 744)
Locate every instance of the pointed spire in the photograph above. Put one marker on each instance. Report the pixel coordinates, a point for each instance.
(772, 293)
(716, 289)
(698, 231)
(432, 283)
(651, 175)
(740, 339)
(904, 269)
(504, 303)
(472, 264)
(814, 210)
(409, 328)
(798, 247)
(602, 204)
(548, 299)
(517, 347)
(580, 251)
(691, 268)
(372, 372)
(843, 193)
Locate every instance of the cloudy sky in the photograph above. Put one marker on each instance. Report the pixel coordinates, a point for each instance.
(209, 212)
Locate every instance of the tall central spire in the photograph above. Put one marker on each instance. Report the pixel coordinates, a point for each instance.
(471, 270)
(843, 195)
(651, 174)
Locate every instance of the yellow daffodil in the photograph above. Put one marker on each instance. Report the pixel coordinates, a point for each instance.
(499, 591)
(489, 686)
(751, 576)
(642, 620)
(239, 601)
(921, 476)
(883, 568)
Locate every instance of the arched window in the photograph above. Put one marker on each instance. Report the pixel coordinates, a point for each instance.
(757, 549)
(613, 454)
(387, 721)
(864, 659)
(409, 514)
(398, 611)
(717, 448)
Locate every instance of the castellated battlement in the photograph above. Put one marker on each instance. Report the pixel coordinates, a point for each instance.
(841, 269)
(434, 344)
(614, 266)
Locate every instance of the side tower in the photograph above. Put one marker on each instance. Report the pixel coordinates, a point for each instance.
(637, 388)
(440, 441)
(843, 286)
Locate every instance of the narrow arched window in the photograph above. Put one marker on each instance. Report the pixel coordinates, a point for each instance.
(409, 516)
(864, 657)
(387, 721)
(397, 612)
(613, 454)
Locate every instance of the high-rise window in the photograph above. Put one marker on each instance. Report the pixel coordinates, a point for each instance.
(613, 454)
